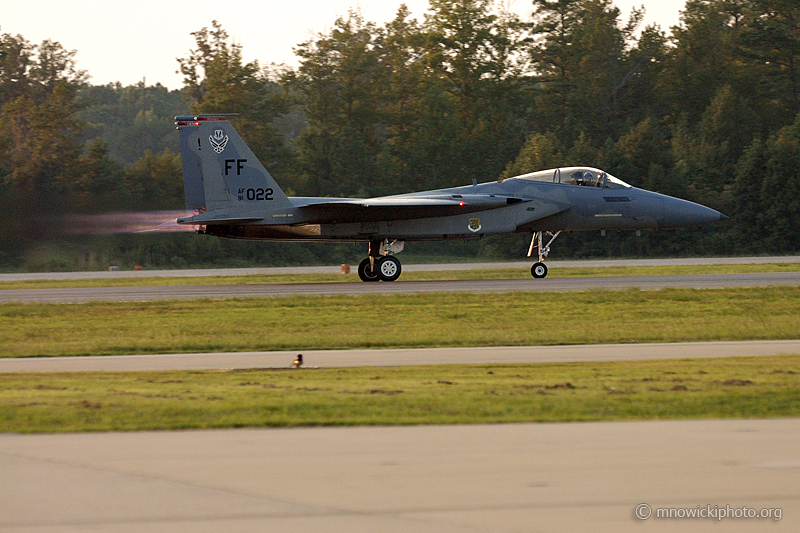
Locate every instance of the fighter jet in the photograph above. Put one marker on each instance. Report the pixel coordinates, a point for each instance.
(234, 196)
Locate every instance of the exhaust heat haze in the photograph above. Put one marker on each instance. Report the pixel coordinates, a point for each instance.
(125, 222)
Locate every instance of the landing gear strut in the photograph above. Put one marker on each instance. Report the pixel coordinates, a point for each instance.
(539, 269)
(380, 265)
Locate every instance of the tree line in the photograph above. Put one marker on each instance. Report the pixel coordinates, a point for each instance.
(708, 111)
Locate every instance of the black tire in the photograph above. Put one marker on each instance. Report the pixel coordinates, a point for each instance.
(539, 270)
(366, 273)
(388, 268)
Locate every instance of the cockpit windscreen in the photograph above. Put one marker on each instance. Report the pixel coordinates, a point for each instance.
(581, 176)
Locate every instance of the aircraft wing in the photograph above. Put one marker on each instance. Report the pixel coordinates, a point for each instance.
(403, 207)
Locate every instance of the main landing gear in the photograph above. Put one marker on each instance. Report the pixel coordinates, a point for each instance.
(380, 265)
(539, 269)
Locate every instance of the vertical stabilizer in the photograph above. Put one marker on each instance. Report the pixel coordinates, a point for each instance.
(192, 171)
(221, 173)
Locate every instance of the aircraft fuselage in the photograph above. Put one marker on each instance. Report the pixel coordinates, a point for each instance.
(534, 206)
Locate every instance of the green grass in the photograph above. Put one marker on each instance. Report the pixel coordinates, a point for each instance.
(453, 394)
(414, 320)
(494, 273)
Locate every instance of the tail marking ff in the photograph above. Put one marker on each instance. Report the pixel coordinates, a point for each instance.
(221, 175)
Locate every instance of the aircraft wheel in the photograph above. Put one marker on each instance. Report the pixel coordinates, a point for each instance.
(539, 270)
(388, 268)
(366, 273)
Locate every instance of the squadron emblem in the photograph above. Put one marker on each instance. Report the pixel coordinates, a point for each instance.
(474, 225)
(218, 141)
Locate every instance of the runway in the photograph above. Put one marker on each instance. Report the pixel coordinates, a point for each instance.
(704, 281)
(402, 357)
(336, 269)
(480, 478)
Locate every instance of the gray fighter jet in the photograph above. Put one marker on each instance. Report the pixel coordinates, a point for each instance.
(234, 196)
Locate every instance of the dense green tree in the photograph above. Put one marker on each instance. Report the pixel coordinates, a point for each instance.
(540, 151)
(643, 152)
(582, 56)
(411, 105)
(474, 60)
(401, 76)
(780, 190)
(156, 181)
(132, 119)
(337, 78)
(706, 155)
(98, 185)
(33, 71)
(216, 80)
(42, 155)
(746, 209)
(38, 84)
(704, 57)
(770, 40)
(16, 57)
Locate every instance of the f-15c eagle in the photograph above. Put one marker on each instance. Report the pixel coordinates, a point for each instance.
(234, 196)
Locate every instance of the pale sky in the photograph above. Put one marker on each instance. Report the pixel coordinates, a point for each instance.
(127, 41)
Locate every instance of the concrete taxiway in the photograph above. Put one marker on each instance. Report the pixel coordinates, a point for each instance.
(525, 478)
(402, 356)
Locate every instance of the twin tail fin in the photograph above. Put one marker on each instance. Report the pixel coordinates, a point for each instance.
(222, 177)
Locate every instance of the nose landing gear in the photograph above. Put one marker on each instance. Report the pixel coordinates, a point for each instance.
(380, 265)
(539, 269)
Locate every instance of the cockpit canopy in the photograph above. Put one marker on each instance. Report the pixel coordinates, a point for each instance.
(583, 176)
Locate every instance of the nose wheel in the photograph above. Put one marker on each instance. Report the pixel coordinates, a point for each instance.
(539, 269)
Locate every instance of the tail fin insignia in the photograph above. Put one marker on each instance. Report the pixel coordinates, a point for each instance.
(218, 141)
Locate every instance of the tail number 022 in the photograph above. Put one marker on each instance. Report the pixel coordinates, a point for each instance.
(256, 194)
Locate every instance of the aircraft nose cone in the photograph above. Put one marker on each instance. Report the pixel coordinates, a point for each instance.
(681, 213)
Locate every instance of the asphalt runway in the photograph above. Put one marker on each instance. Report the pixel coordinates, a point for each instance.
(336, 269)
(402, 357)
(479, 478)
(703, 281)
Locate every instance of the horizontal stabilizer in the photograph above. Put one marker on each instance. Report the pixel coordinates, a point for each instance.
(212, 218)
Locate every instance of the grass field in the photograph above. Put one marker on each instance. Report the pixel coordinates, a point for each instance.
(454, 394)
(378, 321)
(495, 273)
(462, 394)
